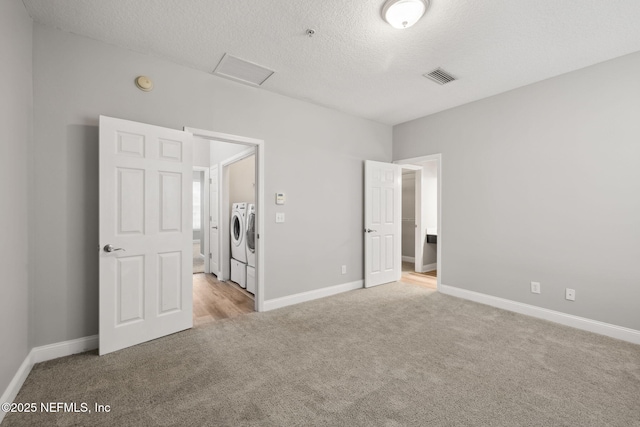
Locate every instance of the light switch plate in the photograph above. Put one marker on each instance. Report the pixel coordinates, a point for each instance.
(279, 216)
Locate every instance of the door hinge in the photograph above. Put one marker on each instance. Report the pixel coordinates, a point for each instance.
(210, 180)
(258, 235)
(210, 257)
(210, 218)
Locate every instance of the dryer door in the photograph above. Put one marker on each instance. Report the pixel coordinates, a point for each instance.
(251, 232)
(236, 229)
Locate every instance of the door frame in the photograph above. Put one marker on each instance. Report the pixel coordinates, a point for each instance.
(421, 230)
(205, 209)
(259, 146)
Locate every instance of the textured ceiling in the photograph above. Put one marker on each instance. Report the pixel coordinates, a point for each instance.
(356, 62)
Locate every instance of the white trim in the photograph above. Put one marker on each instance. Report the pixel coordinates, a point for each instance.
(65, 348)
(272, 304)
(15, 385)
(408, 259)
(260, 208)
(595, 326)
(430, 267)
(42, 354)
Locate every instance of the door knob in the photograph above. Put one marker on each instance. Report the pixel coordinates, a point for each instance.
(368, 230)
(215, 228)
(110, 248)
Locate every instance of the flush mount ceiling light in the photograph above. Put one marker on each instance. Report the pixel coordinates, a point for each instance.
(403, 13)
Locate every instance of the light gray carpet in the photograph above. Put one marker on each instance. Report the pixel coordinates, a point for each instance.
(394, 355)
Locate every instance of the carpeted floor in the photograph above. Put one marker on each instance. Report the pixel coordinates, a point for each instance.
(395, 355)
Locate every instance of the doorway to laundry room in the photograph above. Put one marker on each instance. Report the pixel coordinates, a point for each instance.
(225, 285)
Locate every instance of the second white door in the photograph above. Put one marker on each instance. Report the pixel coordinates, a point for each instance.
(382, 219)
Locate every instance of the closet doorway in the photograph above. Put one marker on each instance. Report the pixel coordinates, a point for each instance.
(421, 185)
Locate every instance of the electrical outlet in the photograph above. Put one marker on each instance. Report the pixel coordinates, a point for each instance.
(344, 269)
(279, 217)
(570, 294)
(535, 287)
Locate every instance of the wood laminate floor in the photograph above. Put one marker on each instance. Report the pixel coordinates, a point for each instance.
(214, 300)
(426, 280)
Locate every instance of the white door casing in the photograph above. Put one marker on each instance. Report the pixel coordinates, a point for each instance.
(382, 221)
(145, 209)
(214, 227)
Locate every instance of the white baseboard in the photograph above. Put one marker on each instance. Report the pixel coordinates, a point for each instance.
(272, 304)
(595, 326)
(42, 354)
(408, 259)
(65, 348)
(429, 267)
(16, 383)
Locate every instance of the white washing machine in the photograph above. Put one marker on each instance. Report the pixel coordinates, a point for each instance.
(250, 240)
(237, 228)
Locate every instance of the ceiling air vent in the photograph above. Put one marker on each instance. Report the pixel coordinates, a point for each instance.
(242, 71)
(440, 76)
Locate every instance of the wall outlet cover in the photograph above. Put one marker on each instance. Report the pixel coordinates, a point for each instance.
(570, 294)
(535, 287)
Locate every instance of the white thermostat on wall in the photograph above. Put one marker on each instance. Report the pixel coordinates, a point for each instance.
(279, 198)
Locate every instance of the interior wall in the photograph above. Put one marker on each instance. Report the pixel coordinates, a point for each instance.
(198, 176)
(201, 154)
(221, 151)
(16, 113)
(430, 210)
(242, 181)
(409, 214)
(314, 154)
(541, 184)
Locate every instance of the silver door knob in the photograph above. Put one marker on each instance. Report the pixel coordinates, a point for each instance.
(110, 248)
(368, 230)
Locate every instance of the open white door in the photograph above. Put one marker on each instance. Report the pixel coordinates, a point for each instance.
(145, 233)
(382, 222)
(214, 231)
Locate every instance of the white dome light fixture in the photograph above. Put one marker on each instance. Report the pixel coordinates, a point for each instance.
(403, 13)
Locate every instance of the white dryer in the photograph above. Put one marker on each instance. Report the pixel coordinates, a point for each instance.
(250, 240)
(238, 246)
(250, 237)
(238, 232)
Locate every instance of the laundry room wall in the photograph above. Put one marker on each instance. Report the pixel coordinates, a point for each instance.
(314, 154)
(242, 181)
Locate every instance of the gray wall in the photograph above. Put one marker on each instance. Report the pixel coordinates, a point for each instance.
(198, 176)
(409, 213)
(541, 183)
(430, 210)
(201, 153)
(16, 112)
(314, 154)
